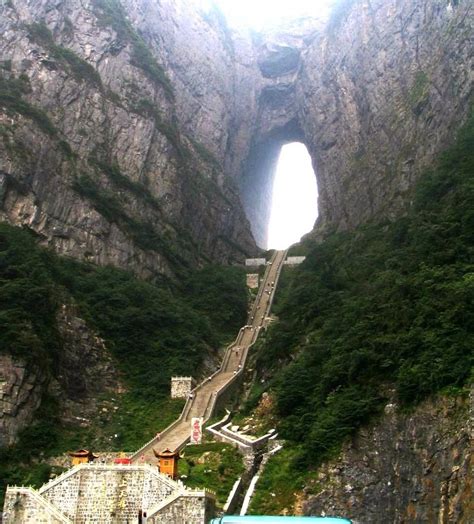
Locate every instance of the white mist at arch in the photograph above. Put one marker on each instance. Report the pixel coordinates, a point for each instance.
(258, 14)
(295, 197)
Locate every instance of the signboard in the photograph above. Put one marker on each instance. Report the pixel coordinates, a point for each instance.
(255, 262)
(196, 430)
(294, 261)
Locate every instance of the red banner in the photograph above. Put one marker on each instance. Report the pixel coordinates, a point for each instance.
(196, 430)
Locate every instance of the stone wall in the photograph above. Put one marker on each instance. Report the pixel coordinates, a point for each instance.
(191, 508)
(181, 386)
(255, 262)
(100, 491)
(25, 506)
(294, 261)
(108, 494)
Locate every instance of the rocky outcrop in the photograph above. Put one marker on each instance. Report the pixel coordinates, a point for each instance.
(86, 368)
(131, 130)
(21, 392)
(413, 467)
(114, 126)
(82, 373)
(375, 94)
(382, 90)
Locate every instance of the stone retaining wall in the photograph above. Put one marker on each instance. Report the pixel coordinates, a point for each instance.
(181, 387)
(108, 494)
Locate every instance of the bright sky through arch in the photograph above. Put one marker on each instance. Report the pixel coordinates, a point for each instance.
(257, 14)
(294, 201)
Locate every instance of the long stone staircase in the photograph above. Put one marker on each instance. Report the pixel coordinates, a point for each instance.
(205, 396)
(118, 493)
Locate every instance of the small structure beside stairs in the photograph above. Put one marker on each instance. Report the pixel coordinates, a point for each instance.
(168, 462)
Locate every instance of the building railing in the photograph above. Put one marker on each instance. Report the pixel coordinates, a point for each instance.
(49, 508)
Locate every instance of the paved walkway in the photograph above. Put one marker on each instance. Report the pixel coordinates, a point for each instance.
(204, 395)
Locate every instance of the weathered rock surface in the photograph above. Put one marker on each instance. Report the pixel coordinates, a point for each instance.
(406, 468)
(375, 94)
(188, 110)
(21, 392)
(86, 367)
(381, 92)
(113, 172)
(84, 371)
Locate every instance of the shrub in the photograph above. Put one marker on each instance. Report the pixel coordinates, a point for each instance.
(388, 306)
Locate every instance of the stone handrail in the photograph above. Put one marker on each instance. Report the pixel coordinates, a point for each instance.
(125, 467)
(189, 401)
(175, 496)
(261, 289)
(277, 276)
(60, 478)
(49, 508)
(226, 431)
(213, 398)
(164, 503)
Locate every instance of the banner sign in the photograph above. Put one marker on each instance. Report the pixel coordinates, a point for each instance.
(196, 430)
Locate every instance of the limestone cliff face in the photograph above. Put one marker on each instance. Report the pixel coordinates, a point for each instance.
(383, 89)
(375, 93)
(407, 468)
(114, 124)
(154, 116)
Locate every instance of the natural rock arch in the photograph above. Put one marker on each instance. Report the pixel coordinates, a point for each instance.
(256, 184)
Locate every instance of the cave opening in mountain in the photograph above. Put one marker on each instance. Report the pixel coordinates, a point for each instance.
(279, 159)
(294, 198)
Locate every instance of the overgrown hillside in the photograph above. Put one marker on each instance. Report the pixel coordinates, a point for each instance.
(384, 310)
(153, 329)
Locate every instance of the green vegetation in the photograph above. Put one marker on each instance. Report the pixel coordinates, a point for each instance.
(419, 92)
(6, 65)
(11, 90)
(110, 13)
(135, 422)
(388, 306)
(81, 70)
(215, 466)
(281, 480)
(153, 329)
(20, 464)
(220, 292)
